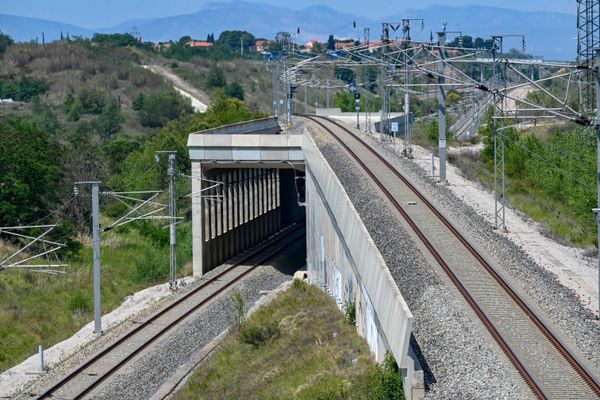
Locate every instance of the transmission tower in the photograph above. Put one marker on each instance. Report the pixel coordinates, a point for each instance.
(588, 39)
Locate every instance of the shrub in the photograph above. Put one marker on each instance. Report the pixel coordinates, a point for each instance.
(256, 332)
(92, 101)
(138, 102)
(216, 78)
(24, 90)
(152, 265)
(109, 122)
(234, 90)
(160, 108)
(350, 309)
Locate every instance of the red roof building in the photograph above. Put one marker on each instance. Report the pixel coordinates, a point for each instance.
(260, 46)
(343, 45)
(200, 43)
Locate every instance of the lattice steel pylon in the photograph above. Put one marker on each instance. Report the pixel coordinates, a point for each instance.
(588, 39)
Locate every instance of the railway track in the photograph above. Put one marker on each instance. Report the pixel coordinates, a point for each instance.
(544, 362)
(103, 365)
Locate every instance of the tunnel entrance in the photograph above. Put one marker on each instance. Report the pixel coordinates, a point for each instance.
(241, 207)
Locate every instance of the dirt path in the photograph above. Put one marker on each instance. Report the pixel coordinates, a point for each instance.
(199, 100)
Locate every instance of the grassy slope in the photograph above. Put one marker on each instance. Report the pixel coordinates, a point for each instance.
(316, 354)
(557, 219)
(70, 67)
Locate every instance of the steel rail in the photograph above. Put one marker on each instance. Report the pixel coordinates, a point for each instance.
(285, 233)
(586, 376)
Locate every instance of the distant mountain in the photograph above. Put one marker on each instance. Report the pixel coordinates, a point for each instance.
(547, 34)
(24, 29)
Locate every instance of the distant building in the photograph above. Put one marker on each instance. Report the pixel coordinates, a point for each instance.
(260, 46)
(162, 45)
(310, 46)
(344, 45)
(199, 43)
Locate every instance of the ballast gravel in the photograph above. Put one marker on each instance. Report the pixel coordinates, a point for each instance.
(459, 361)
(146, 374)
(559, 304)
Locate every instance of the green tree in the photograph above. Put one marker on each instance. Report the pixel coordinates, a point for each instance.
(117, 39)
(76, 110)
(44, 117)
(109, 122)
(92, 101)
(331, 43)
(138, 102)
(234, 39)
(5, 41)
(234, 90)
(29, 173)
(344, 74)
(160, 108)
(30, 87)
(215, 78)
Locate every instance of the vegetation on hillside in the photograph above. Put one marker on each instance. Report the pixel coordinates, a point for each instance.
(92, 113)
(551, 177)
(300, 346)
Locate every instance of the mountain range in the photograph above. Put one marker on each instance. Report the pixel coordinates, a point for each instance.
(547, 34)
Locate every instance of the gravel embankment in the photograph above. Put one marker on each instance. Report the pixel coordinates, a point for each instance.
(464, 363)
(142, 378)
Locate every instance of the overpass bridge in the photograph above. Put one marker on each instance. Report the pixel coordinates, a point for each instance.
(253, 180)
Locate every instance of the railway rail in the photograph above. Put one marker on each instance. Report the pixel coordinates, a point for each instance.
(544, 362)
(99, 368)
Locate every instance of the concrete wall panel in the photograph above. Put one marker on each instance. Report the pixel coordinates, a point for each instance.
(382, 314)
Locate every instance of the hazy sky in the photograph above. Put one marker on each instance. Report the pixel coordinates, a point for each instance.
(106, 13)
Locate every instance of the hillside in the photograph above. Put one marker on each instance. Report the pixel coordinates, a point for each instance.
(79, 115)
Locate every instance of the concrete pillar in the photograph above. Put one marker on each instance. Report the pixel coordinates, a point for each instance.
(246, 207)
(198, 221)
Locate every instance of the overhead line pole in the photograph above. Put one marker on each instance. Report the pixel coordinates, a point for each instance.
(96, 252)
(442, 108)
(597, 210)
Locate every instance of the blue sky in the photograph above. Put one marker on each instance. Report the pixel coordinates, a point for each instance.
(106, 13)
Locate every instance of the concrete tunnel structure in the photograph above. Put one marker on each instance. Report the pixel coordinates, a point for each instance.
(256, 181)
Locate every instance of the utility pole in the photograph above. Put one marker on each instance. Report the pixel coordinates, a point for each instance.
(289, 103)
(172, 175)
(499, 177)
(96, 251)
(173, 215)
(598, 163)
(442, 108)
(242, 46)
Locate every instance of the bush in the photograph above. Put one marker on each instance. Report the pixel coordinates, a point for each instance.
(234, 90)
(23, 90)
(109, 122)
(257, 332)
(160, 108)
(92, 101)
(350, 308)
(152, 265)
(216, 78)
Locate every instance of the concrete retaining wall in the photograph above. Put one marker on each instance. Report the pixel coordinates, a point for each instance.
(264, 126)
(342, 257)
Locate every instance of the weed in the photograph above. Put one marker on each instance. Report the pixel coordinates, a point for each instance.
(239, 305)
(350, 310)
(258, 332)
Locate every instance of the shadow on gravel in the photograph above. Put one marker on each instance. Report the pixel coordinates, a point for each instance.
(427, 373)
